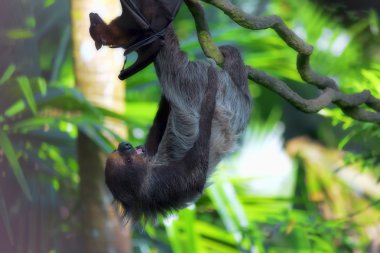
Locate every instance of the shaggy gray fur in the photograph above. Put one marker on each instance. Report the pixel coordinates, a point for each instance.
(184, 84)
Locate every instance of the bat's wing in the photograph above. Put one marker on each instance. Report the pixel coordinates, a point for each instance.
(169, 8)
(129, 8)
(146, 56)
(151, 40)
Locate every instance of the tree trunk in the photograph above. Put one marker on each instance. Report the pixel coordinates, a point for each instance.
(96, 76)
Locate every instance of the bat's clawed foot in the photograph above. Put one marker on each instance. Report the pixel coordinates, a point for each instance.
(96, 27)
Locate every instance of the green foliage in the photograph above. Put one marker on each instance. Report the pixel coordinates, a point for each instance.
(230, 218)
(19, 34)
(48, 3)
(38, 127)
(10, 154)
(40, 118)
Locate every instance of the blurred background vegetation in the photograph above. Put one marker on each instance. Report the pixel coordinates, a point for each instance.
(298, 183)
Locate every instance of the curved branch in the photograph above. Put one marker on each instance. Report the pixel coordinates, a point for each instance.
(362, 115)
(349, 104)
(352, 100)
(261, 23)
(309, 76)
(208, 46)
(374, 103)
(281, 88)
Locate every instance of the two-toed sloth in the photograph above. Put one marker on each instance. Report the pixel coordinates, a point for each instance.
(188, 137)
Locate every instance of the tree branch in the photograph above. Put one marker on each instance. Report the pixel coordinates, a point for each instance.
(209, 48)
(281, 88)
(330, 93)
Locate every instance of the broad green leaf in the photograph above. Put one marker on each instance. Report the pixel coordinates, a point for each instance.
(173, 234)
(374, 22)
(97, 136)
(35, 123)
(19, 34)
(30, 22)
(212, 231)
(215, 192)
(7, 74)
(346, 139)
(187, 217)
(15, 108)
(10, 154)
(26, 88)
(141, 112)
(42, 85)
(48, 3)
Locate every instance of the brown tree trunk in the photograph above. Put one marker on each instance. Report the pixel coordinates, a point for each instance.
(96, 76)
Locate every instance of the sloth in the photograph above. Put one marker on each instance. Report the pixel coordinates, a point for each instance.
(203, 111)
(145, 186)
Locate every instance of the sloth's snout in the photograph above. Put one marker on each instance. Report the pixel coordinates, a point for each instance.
(124, 146)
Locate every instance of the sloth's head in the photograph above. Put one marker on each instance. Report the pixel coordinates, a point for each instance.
(124, 174)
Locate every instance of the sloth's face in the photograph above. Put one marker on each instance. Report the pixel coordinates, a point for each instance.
(125, 171)
(125, 157)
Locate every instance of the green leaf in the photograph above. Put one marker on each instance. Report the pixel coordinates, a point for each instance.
(56, 184)
(19, 34)
(187, 216)
(48, 3)
(96, 135)
(10, 154)
(216, 195)
(35, 123)
(216, 233)
(374, 22)
(16, 108)
(141, 112)
(7, 74)
(5, 217)
(345, 140)
(30, 22)
(24, 84)
(42, 85)
(173, 235)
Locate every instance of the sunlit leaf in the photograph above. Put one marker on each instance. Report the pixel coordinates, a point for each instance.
(187, 217)
(19, 34)
(56, 184)
(42, 85)
(97, 137)
(371, 76)
(30, 22)
(374, 21)
(216, 194)
(15, 108)
(345, 140)
(25, 86)
(141, 112)
(173, 234)
(48, 3)
(35, 123)
(7, 74)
